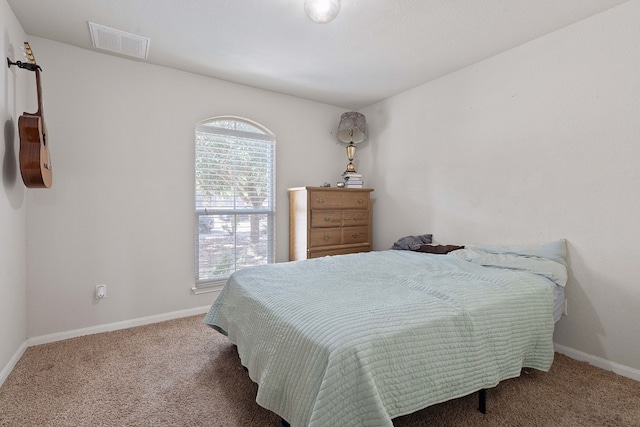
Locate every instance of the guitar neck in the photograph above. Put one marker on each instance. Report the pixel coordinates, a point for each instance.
(39, 91)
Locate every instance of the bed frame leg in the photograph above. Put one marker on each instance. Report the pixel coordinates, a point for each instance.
(283, 423)
(482, 401)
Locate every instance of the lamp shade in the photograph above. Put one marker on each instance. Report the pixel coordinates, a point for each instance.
(352, 128)
(322, 11)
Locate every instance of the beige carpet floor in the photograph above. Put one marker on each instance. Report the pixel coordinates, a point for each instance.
(183, 373)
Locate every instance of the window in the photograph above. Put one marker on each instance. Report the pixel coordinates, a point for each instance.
(235, 198)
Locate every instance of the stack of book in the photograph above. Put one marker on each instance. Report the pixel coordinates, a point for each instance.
(353, 180)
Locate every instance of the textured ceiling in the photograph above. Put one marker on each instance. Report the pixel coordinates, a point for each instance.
(373, 49)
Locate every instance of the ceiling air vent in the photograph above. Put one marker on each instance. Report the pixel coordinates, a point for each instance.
(119, 41)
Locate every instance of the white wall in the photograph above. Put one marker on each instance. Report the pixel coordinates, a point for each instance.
(13, 92)
(120, 211)
(538, 143)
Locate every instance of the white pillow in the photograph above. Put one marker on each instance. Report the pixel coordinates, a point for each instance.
(553, 270)
(556, 250)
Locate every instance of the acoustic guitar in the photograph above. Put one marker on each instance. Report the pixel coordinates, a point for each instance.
(35, 159)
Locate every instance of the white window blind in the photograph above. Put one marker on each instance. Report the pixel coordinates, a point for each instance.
(234, 198)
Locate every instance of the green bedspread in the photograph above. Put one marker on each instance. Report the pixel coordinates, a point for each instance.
(356, 340)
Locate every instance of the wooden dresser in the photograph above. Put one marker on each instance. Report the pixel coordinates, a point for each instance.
(328, 221)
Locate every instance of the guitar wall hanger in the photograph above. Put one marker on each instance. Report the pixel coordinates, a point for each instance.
(24, 65)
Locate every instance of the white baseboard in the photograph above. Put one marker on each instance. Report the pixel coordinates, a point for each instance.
(12, 362)
(45, 339)
(605, 364)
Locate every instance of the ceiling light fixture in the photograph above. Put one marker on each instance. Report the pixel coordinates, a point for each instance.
(322, 11)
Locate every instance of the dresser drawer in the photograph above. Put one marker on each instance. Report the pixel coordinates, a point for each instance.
(324, 237)
(355, 217)
(317, 253)
(326, 218)
(355, 235)
(339, 199)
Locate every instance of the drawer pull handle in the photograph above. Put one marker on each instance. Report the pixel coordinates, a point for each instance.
(360, 201)
(355, 235)
(356, 217)
(327, 218)
(326, 236)
(321, 200)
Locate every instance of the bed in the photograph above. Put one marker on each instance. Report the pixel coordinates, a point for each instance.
(357, 340)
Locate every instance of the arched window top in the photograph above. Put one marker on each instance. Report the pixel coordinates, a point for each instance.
(238, 126)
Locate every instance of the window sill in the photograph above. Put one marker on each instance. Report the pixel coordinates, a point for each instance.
(208, 289)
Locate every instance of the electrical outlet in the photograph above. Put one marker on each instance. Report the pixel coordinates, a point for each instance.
(101, 291)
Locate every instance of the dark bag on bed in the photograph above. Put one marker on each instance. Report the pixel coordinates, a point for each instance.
(438, 249)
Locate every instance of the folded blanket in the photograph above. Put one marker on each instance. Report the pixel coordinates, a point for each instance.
(412, 243)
